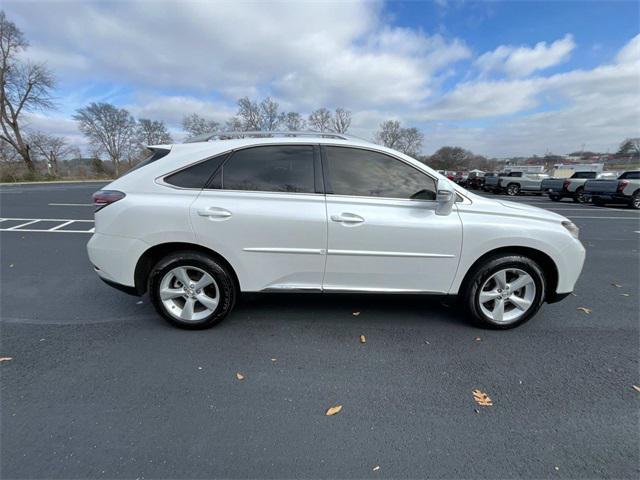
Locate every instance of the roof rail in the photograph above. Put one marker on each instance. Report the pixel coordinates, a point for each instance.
(205, 137)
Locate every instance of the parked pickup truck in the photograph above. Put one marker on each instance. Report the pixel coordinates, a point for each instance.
(517, 182)
(573, 187)
(626, 189)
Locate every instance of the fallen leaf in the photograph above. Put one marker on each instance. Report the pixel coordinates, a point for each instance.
(355, 314)
(5, 359)
(585, 310)
(239, 376)
(636, 388)
(139, 303)
(363, 339)
(478, 339)
(199, 368)
(11, 266)
(333, 410)
(376, 468)
(617, 285)
(482, 398)
(557, 468)
(274, 359)
(624, 294)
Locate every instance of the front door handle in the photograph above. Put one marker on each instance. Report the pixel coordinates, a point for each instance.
(214, 212)
(346, 217)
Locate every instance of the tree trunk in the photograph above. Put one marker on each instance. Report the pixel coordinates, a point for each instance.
(26, 156)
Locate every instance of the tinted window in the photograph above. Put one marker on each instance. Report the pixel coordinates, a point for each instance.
(270, 169)
(584, 175)
(197, 175)
(630, 176)
(515, 174)
(370, 174)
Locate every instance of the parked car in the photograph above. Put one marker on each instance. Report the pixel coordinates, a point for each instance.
(515, 183)
(573, 187)
(201, 222)
(475, 181)
(625, 189)
(492, 182)
(461, 178)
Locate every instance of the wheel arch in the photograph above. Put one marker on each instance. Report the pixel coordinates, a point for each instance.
(548, 266)
(152, 255)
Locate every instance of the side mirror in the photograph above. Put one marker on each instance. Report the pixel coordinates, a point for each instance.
(445, 198)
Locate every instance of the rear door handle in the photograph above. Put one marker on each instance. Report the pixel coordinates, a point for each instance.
(346, 217)
(214, 212)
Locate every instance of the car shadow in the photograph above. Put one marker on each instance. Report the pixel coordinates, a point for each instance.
(352, 307)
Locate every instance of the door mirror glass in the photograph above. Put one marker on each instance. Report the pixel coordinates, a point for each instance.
(445, 198)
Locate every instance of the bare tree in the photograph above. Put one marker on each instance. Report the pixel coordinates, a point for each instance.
(341, 120)
(320, 120)
(630, 146)
(406, 140)
(411, 141)
(24, 87)
(390, 133)
(109, 129)
(153, 132)
(270, 119)
(49, 148)
(195, 125)
(249, 114)
(293, 121)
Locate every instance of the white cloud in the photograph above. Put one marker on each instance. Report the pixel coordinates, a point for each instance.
(523, 61)
(303, 51)
(631, 51)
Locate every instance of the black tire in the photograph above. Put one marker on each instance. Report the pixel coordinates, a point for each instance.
(635, 201)
(513, 189)
(226, 292)
(579, 196)
(554, 198)
(482, 272)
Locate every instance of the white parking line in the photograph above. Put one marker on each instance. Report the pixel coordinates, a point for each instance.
(71, 204)
(63, 222)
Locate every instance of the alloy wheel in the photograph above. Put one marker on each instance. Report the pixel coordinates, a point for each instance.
(189, 293)
(507, 295)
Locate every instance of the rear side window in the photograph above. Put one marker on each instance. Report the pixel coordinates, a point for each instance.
(196, 176)
(630, 176)
(273, 168)
(365, 173)
(515, 174)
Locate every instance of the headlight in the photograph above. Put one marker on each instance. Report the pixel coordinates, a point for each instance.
(572, 227)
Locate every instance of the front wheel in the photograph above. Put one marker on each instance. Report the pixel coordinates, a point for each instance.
(635, 201)
(513, 189)
(504, 291)
(579, 196)
(191, 290)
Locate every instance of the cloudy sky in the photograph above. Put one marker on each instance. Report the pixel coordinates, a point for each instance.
(499, 78)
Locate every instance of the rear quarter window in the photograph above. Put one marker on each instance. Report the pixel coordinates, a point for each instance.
(198, 175)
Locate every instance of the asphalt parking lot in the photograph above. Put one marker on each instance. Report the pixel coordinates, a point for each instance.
(99, 386)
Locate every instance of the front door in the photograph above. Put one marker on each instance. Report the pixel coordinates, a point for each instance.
(384, 234)
(265, 213)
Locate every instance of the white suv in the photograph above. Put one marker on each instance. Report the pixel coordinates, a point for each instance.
(198, 223)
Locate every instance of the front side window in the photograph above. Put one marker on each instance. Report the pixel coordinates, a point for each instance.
(630, 176)
(365, 173)
(286, 168)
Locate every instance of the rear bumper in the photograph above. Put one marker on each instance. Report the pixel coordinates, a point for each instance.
(114, 258)
(607, 197)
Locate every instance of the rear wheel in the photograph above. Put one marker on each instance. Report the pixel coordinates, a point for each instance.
(505, 291)
(513, 189)
(555, 198)
(191, 290)
(635, 201)
(579, 196)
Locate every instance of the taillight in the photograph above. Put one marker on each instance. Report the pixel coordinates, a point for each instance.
(621, 185)
(102, 198)
(565, 185)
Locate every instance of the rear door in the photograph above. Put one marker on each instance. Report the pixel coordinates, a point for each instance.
(384, 234)
(264, 212)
